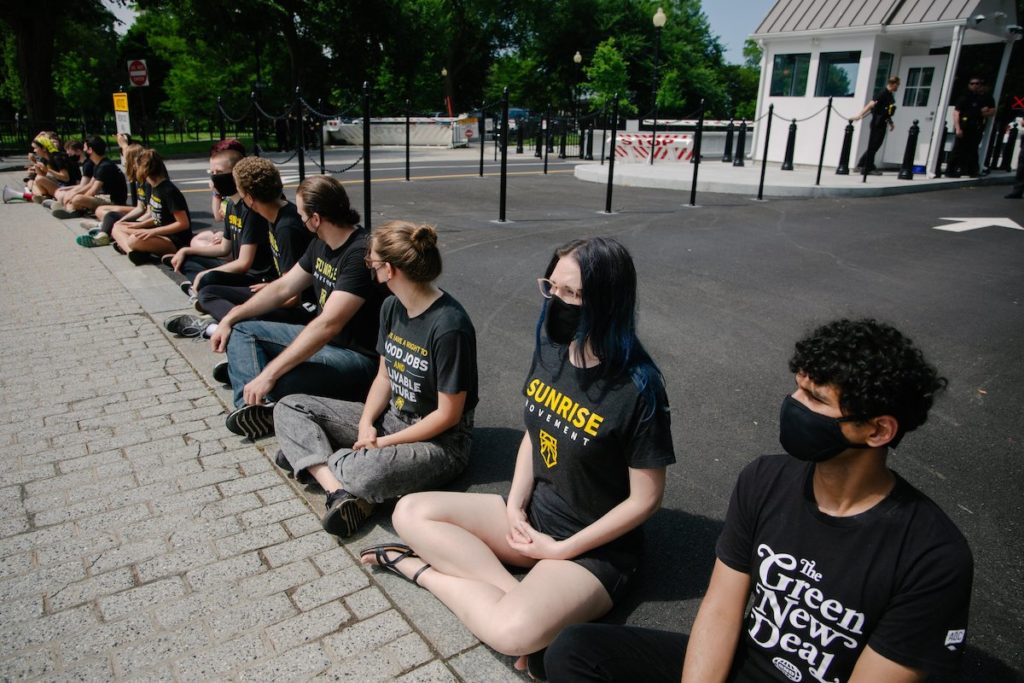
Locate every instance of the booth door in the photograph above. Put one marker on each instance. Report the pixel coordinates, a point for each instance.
(917, 99)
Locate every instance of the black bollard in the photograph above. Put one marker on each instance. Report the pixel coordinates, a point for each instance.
(590, 142)
(611, 156)
(604, 135)
(787, 163)
(764, 157)
(220, 116)
(255, 125)
(550, 134)
(697, 138)
(320, 134)
(844, 154)
(503, 193)
(727, 154)
(824, 139)
(482, 131)
(941, 155)
(519, 137)
(367, 204)
(547, 139)
(561, 142)
(407, 169)
(301, 137)
(539, 142)
(907, 167)
(741, 144)
(1007, 158)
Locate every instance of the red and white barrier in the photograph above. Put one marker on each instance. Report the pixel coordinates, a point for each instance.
(667, 146)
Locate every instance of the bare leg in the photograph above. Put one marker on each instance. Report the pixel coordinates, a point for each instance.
(323, 475)
(463, 537)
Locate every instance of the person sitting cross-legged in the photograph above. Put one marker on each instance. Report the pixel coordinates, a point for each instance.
(413, 431)
(334, 354)
(851, 573)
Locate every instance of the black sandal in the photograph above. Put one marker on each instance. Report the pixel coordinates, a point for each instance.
(379, 553)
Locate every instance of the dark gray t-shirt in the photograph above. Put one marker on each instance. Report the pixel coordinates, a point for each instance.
(433, 352)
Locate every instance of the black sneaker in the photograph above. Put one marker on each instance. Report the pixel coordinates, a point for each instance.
(345, 513)
(303, 477)
(186, 289)
(187, 325)
(139, 258)
(220, 373)
(254, 422)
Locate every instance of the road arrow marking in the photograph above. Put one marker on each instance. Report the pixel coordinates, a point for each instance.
(965, 224)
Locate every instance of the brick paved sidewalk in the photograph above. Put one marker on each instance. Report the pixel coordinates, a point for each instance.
(139, 539)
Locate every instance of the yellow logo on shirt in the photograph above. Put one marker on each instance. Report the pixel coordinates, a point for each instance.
(548, 449)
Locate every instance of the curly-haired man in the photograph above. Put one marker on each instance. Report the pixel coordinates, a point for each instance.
(851, 573)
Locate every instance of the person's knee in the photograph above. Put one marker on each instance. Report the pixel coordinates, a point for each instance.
(515, 633)
(568, 650)
(410, 510)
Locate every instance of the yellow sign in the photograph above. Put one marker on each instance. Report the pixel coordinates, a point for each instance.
(120, 101)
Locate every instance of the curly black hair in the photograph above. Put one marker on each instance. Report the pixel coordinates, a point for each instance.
(876, 369)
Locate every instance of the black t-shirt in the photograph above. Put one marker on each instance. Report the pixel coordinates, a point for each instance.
(587, 432)
(87, 168)
(244, 226)
(885, 107)
(969, 108)
(343, 270)
(433, 352)
(289, 239)
(112, 180)
(164, 200)
(896, 577)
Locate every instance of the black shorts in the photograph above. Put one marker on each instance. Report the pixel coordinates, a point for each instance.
(614, 563)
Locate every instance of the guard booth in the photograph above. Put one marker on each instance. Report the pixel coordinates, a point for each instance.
(816, 49)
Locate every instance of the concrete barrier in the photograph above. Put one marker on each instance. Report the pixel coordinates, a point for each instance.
(674, 147)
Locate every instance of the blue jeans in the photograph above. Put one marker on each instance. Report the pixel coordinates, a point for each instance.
(332, 371)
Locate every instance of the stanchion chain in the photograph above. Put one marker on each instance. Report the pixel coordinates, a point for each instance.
(232, 119)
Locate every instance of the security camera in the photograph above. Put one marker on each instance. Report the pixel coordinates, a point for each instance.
(978, 18)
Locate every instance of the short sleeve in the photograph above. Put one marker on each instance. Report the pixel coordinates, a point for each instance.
(455, 361)
(924, 625)
(353, 275)
(308, 258)
(254, 228)
(734, 544)
(649, 441)
(176, 201)
(385, 323)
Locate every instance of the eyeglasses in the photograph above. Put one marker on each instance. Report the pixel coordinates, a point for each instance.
(373, 264)
(549, 289)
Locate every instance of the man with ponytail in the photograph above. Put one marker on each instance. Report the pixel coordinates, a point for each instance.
(334, 354)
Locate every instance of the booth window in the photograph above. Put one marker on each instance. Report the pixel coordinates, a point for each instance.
(885, 60)
(837, 74)
(919, 87)
(789, 75)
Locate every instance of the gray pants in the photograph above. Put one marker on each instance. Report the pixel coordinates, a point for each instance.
(317, 431)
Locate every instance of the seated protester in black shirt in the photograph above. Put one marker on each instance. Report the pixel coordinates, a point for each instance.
(854, 574)
(413, 430)
(334, 354)
(590, 470)
(107, 215)
(56, 171)
(79, 171)
(108, 184)
(881, 108)
(168, 225)
(261, 191)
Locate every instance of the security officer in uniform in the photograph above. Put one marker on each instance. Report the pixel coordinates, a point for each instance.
(881, 108)
(971, 111)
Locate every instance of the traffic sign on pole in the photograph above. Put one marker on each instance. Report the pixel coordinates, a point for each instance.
(138, 74)
(121, 117)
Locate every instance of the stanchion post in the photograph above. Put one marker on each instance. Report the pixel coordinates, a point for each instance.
(367, 200)
(590, 142)
(502, 194)
(844, 154)
(519, 137)
(1007, 156)
(546, 125)
(907, 167)
(741, 145)
(539, 143)
(221, 127)
(611, 156)
(824, 138)
(481, 132)
(320, 133)
(697, 139)
(941, 155)
(764, 156)
(604, 134)
(301, 137)
(787, 162)
(994, 147)
(407, 170)
(561, 143)
(255, 124)
(727, 154)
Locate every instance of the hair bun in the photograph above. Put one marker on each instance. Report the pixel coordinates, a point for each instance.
(353, 217)
(424, 237)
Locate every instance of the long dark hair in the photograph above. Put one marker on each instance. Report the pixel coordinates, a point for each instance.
(608, 323)
(326, 196)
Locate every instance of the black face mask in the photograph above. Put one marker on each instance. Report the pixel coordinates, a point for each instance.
(562, 320)
(810, 436)
(224, 184)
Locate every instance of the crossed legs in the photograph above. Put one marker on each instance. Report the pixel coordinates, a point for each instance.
(462, 535)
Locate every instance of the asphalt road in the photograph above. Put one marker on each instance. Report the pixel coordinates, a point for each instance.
(725, 290)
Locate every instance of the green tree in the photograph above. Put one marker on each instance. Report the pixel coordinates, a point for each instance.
(608, 76)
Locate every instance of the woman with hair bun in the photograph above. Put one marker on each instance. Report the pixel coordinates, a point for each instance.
(413, 431)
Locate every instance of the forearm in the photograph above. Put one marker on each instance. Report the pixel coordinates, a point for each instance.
(265, 300)
(376, 400)
(433, 424)
(312, 338)
(716, 631)
(522, 479)
(169, 229)
(213, 250)
(624, 517)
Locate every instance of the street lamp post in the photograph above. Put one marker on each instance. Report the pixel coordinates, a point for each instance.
(577, 59)
(444, 87)
(658, 20)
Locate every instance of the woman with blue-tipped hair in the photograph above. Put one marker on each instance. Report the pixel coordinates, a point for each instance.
(590, 470)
